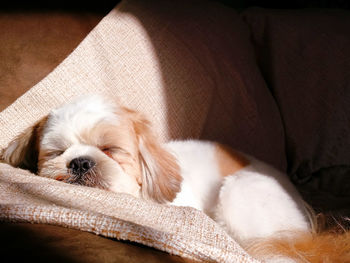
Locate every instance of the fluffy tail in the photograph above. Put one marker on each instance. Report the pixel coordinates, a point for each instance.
(323, 246)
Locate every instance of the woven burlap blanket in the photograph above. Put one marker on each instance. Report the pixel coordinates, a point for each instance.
(119, 60)
(181, 231)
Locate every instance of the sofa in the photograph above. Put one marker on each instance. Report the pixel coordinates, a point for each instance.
(274, 83)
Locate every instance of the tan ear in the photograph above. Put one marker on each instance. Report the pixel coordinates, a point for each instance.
(161, 177)
(23, 151)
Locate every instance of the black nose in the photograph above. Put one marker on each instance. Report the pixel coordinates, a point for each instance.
(81, 165)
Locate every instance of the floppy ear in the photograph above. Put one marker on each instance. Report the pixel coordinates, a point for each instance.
(23, 151)
(161, 177)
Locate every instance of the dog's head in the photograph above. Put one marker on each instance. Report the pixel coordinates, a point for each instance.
(95, 142)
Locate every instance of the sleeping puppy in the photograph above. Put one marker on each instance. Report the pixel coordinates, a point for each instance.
(96, 142)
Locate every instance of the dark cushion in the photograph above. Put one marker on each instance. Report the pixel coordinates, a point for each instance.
(304, 56)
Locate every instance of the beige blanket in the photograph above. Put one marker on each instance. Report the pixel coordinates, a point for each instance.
(171, 61)
(181, 231)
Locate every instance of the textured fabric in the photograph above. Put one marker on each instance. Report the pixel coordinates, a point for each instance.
(181, 231)
(116, 59)
(194, 76)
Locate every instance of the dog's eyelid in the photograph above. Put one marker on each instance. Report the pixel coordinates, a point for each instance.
(53, 154)
(112, 149)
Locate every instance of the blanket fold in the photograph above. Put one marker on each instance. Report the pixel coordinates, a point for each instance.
(181, 231)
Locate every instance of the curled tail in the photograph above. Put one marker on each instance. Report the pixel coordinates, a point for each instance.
(322, 246)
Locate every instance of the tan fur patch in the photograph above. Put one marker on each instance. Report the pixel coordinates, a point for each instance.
(229, 161)
(162, 180)
(24, 149)
(305, 247)
(119, 142)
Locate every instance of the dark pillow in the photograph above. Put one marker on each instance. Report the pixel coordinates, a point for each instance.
(305, 59)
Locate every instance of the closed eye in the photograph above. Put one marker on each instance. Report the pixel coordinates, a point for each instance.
(111, 149)
(54, 154)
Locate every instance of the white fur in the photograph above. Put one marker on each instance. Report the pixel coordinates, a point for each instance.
(256, 202)
(201, 178)
(66, 123)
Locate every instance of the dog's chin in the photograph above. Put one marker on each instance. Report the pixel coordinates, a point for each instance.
(92, 178)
